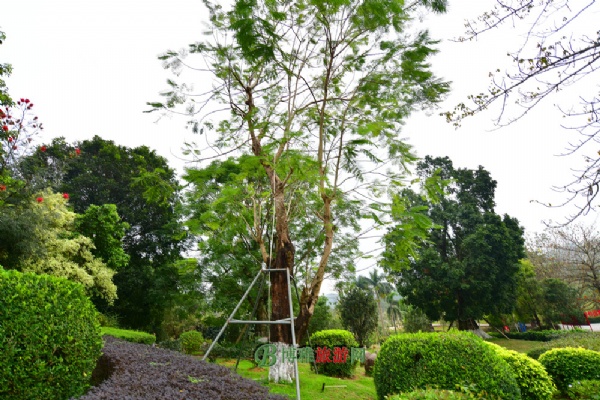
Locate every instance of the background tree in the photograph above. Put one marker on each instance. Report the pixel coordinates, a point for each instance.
(376, 283)
(561, 47)
(330, 80)
(395, 309)
(61, 250)
(145, 192)
(469, 265)
(323, 317)
(358, 311)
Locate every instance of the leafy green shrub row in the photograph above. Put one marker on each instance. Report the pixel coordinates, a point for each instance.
(49, 337)
(191, 342)
(415, 361)
(587, 340)
(567, 365)
(584, 389)
(532, 378)
(330, 339)
(432, 394)
(170, 344)
(143, 372)
(129, 335)
(538, 336)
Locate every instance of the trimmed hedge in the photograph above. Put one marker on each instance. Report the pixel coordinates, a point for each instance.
(129, 335)
(532, 378)
(49, 337)
(584, 389)
(330, 339)
(432, 394)
(416, 361)
(191, 342)
(140, 372)
(587, 340)
(536, 336)
(568, 365)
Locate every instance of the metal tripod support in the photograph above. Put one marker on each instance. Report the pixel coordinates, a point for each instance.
(285, 321)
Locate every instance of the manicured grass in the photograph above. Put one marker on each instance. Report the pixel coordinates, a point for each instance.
(360, 387)
(129, 335)
(522, 346)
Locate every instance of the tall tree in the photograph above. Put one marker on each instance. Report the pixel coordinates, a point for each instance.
(560, 48)
(468, 266)
(332, 80)
(358, 313)
(380, 288)
(145, 191)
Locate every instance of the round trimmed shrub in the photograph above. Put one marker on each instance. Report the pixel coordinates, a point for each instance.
(532, 378)
(191, 342)
(49, 337)
(443, 360)
(328, 340)
(584, 390)
(567, 365)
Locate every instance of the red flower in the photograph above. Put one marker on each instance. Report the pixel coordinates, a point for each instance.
(43, 149)
(66, 196)
(5, 128)
(14, 147)
(10, 139)
(26, 100)
(39, 199)
(2, 188)
(77, 151)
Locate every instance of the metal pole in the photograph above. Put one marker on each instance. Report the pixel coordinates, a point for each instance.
(231, 316)
(287, 274)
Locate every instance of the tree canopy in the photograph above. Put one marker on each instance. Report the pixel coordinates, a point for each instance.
(467, 267)
(329, 81)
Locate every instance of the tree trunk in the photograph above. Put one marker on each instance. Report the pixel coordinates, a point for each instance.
(280, 301)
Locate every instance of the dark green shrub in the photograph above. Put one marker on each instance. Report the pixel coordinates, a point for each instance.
(532, 378)
(569, 364)
(49, 337)
(129, 335)
(170, 344)
(432, 394)
(538, 336)
(415, 361)
(587, 340)
(585, 389)
(415, 321)
(328, 340)
(191, 342)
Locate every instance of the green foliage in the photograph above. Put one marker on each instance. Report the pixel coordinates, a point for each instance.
(191, 342)
(586, 340)
(560, 302)
(322, 318)
(533, 380)
(567, 365)
(432, 394)
(129, 335)
(468, 267)
(61, 251)
(5, 71)
(418, 360)
(104, 226)
(330, 339)
(358, 311)
(108, 320)
(584, 389)
(49, 337)
(537, 336)
(415, 321)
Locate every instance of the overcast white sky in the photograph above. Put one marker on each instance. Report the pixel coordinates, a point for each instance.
(90, 67)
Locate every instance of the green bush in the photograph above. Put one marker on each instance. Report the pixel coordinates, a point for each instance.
(538, 336)
(567, 365)
(108, 320)
(129, 335)
(170, 344)
(532, 378)
(415, 361)
(585, 389)
(330, 339)
(191, 342)
(432, 394)
(587, 340)
(49, 337)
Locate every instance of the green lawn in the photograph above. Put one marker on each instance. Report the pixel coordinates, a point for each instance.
(522, 346)
(361, 387)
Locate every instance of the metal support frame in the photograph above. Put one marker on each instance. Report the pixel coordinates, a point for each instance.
(285, 321)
